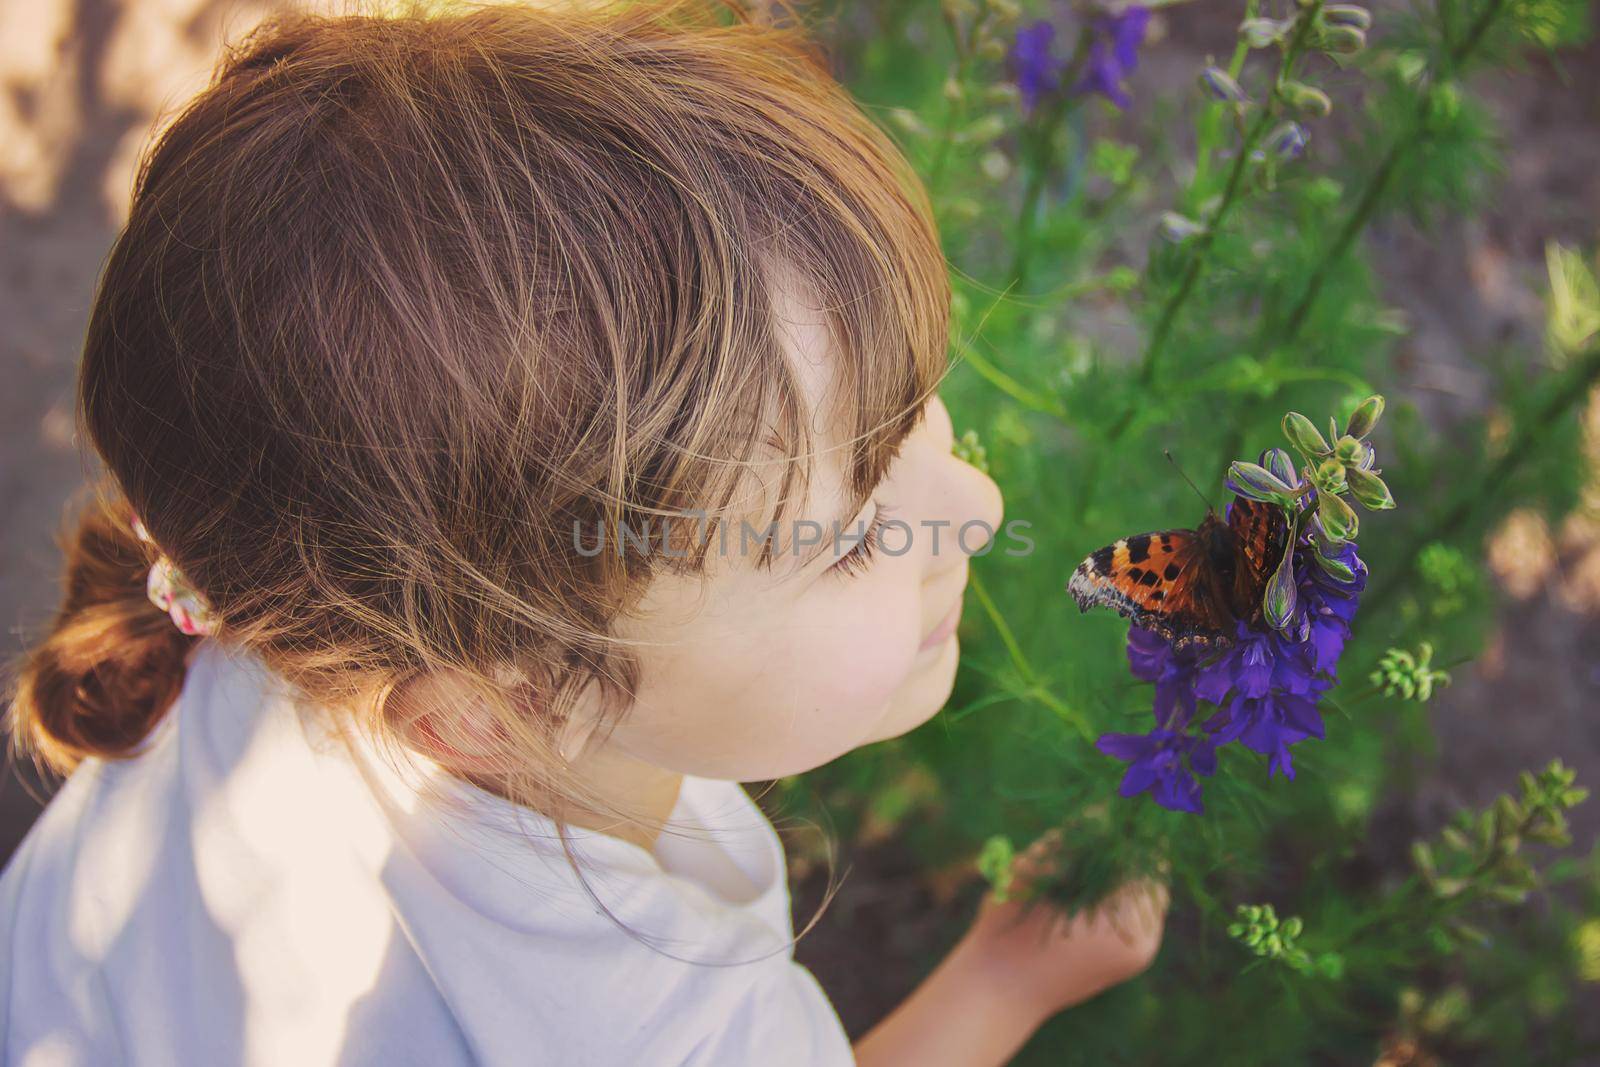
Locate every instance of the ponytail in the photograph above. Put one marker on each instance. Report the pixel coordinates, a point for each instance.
(111, 664)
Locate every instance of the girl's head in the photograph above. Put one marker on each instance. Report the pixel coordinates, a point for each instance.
(423, 324)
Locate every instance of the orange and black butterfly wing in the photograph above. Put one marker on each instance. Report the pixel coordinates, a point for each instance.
(1162, 581)
(1260, 535)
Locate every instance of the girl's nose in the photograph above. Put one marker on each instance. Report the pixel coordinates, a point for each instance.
(982, 508)
(968, 499)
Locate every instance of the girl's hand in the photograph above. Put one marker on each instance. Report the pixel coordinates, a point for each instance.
(1048, 962)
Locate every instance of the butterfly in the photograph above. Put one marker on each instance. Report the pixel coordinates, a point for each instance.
(1189, 586)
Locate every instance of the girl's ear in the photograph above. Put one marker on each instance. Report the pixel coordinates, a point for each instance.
(578, 728)
(440, 716)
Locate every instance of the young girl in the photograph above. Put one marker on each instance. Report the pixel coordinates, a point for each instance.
(473, 385)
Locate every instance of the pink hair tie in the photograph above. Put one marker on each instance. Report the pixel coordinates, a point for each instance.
(170, 591)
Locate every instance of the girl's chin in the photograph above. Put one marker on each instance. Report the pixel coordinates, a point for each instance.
(925, 692)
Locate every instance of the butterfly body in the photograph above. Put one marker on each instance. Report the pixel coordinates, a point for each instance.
(1190, 586)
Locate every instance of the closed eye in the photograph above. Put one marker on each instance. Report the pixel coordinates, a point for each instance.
(860, 557)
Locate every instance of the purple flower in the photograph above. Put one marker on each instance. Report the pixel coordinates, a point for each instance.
(1164, 762)
(1151, 658)
(1114, 53)
(1035, 69)
(1265, 686)
(1269, 725)
(1289, 140)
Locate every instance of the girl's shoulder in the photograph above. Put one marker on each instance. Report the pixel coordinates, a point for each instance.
(245, 882)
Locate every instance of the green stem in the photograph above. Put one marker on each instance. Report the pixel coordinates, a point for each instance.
(1366, 206)
(1198, 258)
(1230, 196)
(1010, 386)
(964, 53)
(1414, 135)
(1041, 141)
(1036, 690)
(1212, 116)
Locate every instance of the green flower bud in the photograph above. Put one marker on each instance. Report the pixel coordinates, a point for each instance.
(1338, 518)
(994, 864)
(1400, 673)
(1003, 93)
(1281, 464)
(1254, 482)
(1328, 477)
(1422, 856)
(1178, 228)
(1278, 604)
(1306, 99)
(1347, 15)
(908, 120)
(1303, 435)
(1332, 567)
(1221, 86)
(982, 131)
(1368, 489)
(1264, 33)
(1343, 40)
(968, 447)
(1547, 834)
(1507, 812)
(1365, 417)
(1349, 451)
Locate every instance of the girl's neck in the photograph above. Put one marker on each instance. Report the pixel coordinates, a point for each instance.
(645, 792)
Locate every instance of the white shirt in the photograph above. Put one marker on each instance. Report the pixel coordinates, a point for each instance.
(246, 891)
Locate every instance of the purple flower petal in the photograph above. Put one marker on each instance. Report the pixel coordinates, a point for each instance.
(1253, 675)
(1300, 715)
(1140, 776)
(1034, 68)
(1114, 54)
(1148, 653)
(1179, 794)
(1124, 746)
(1127, 34)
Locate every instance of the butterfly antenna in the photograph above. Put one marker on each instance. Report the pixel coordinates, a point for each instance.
(1168, 453)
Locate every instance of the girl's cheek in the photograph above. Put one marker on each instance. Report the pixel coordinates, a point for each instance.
(778, 688)
(863, 652)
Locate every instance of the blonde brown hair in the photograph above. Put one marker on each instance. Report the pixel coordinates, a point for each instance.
(403, 298)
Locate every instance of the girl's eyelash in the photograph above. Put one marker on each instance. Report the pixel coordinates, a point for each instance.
(860, 556)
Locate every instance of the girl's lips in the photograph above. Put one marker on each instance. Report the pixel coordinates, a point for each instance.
(942, 632)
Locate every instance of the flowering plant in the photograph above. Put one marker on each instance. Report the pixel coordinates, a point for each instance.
(1265, 685)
